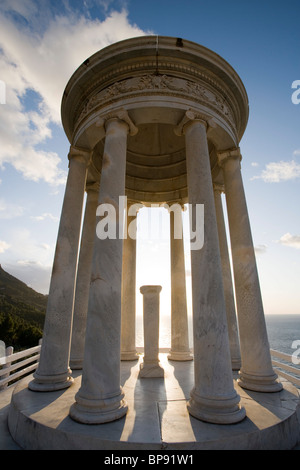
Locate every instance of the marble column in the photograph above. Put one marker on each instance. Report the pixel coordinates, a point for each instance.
(180, 350)
(213, 398)
(53, 372)
(128, 318)
(227, 282)
(150, 367)
(100, 398)
(83, 277)
(256, 372)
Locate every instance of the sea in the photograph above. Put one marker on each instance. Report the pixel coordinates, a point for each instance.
(283, 332)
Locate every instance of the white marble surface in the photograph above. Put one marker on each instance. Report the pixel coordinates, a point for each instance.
(157, 417)
(233, 333)
(180, 350)
(83, 278)
(100, 398)
(213, 397)
(53, 371)
(256, 371)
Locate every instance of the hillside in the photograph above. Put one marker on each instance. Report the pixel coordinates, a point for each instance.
(12, 287)
(22, 312)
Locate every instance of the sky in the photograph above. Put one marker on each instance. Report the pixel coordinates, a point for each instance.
(43, 42)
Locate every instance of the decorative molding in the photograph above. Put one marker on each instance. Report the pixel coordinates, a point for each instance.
(92, 186)
(158, 84)
(225, 155)
(120, 114)
(80, 154)
(139, 67)
(219, 188)
(192, 115)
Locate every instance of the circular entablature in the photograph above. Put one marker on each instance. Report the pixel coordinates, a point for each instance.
(155, 80)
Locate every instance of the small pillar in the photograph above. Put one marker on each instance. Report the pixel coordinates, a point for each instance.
(150, 366)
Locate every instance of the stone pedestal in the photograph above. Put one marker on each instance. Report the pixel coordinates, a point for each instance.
(150, 366)
(256, 372)
(53, 372)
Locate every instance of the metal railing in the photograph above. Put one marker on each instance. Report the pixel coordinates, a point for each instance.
(284, 367)
(14, 366)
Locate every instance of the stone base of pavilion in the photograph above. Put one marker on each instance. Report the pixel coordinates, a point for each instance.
(157, 417)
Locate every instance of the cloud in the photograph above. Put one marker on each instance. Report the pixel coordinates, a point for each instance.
(3, 246)
(41, 61)
(29, 245)
(292, 241)
(10, 210)
(45, 215)
(30, 258)
(260, 249)
(24, 8)
(34, 273)
(254, 164)
(275, 172)
(45, 246)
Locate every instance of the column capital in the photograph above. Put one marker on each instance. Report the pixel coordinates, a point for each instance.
(83, 155)
(93, 187)
(191, 116)
(225, 155)
(150, 289)
(131, 202)
(121, 115)
(219, 188)
(133, 208)
(170, 207)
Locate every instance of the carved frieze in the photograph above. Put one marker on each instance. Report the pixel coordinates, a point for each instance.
(159, 84)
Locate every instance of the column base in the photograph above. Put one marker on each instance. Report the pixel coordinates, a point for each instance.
(180, 356)
(258, 383)
(89, 411)
(151, 370)
(50, 383)
(236, 364)
(129, 356)
(216, 410)
(76, 364)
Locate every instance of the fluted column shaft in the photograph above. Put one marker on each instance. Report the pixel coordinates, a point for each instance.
(83, 277)
(227, 282)
(256, 372)
(100, 398)
(213, 397)
(179, 321)
(53, 371)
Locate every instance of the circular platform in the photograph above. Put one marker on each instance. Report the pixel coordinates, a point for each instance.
(157, 417)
